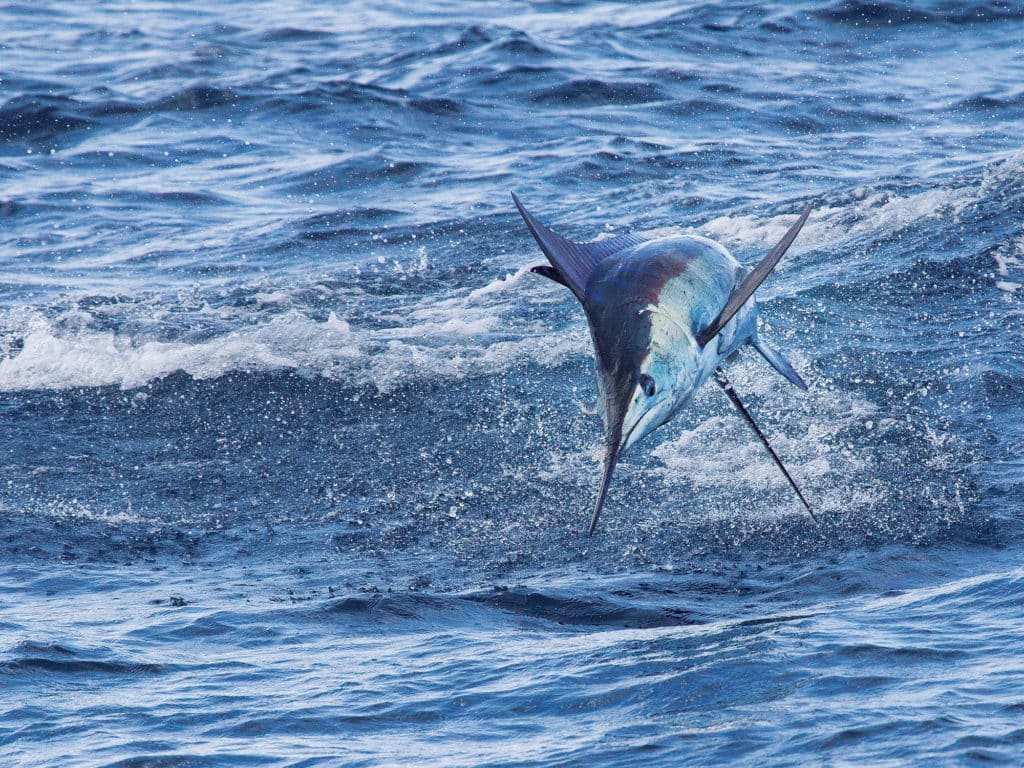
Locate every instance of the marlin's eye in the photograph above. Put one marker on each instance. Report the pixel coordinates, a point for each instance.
(647, 384)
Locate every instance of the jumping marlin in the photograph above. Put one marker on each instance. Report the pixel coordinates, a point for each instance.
(664, 314)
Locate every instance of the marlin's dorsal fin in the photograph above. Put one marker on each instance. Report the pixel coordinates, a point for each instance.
(751, 282)
(574, 262)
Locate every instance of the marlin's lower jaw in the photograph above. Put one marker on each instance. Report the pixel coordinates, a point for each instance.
(636, 427)
(632, 430)
(635, 432)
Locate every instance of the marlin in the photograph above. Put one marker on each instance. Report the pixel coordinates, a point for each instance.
(664, 313)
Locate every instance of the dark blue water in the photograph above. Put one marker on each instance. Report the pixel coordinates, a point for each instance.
(298, 457)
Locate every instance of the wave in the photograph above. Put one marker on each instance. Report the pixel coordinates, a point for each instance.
(594, 93)
(438, 338)
(390, 323)
(31, 659)
(40, 118)
(875, 212)
(889, 14)
(572, 610)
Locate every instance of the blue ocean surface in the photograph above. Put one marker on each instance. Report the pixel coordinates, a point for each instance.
(298, 456)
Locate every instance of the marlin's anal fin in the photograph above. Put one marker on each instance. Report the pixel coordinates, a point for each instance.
(779, 363)
(550, 273)
(726, 385)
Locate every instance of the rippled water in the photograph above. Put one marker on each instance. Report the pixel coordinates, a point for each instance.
(299, 456)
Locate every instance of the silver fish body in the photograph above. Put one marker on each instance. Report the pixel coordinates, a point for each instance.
(645, 306)
(664, 315)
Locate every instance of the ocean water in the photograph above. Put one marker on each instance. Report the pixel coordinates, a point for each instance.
(298, 457)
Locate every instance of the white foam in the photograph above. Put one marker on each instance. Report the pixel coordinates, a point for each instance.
(1009, 259)
(872, 212)
(73, 510)
(450, 337)
(877, 213)
(721, 452)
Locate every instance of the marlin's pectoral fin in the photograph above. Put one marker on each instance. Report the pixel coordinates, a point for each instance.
(574, 262)
(726, 385)
(751, 282)
(550, 273)
(779, 363)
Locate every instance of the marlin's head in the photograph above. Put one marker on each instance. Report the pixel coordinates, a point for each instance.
(648, 362)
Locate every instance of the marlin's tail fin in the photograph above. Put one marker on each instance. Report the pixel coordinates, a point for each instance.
(572, 263)
(779, 363)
